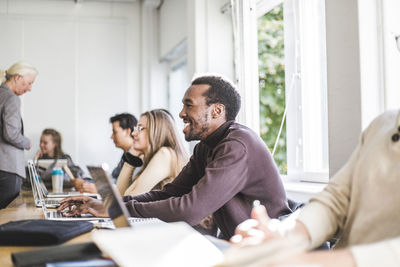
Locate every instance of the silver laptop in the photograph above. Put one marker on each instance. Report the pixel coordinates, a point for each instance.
(47, 194)
(33, 177)
(111, 197)
(54, 214)
(45, 163)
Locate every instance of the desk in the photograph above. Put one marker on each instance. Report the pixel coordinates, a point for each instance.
(23, 208)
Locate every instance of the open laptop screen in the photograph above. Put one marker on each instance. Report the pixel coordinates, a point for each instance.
(109, 195)
(45, 163)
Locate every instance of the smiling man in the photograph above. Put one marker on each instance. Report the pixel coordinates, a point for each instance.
(229, 169)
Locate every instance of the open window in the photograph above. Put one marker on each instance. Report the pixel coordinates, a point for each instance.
(293, 86)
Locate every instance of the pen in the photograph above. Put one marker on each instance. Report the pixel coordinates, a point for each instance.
(256, 203)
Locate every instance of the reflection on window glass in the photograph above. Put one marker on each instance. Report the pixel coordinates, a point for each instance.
(272, 82)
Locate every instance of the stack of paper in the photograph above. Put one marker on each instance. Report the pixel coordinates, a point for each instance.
(172, 244)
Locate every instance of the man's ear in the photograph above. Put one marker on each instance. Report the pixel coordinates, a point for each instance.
(218, 110)
(127, 131)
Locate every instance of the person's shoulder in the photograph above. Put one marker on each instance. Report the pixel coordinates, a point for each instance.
(7, 96)
(164, 151)
(240, 132)
(67, 157)
(386, 120)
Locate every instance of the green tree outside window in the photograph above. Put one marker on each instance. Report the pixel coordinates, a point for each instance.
(272, 82)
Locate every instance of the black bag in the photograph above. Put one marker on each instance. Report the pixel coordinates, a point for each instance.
(39, 257)
(41, 232)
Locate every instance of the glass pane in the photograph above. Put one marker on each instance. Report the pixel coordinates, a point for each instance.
(272, 82)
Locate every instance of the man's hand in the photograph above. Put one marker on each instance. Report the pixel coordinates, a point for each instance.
(253, 231)
(88, 188)
(78, 205)
(261, 228)
(84, 187)
(77, 183)
(134, 152)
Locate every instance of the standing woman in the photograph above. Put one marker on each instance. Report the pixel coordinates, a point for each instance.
(15, 81)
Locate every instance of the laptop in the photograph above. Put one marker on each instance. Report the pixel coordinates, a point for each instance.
(54, 214)
(45, 163)
(33, 177)
(112, 198)
(48, 194)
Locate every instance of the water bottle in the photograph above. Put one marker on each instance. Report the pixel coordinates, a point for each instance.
(57, 179)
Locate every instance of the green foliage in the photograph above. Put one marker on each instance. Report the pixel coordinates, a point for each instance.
(272, 82)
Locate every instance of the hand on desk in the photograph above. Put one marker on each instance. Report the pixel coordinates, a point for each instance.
(78, 205)
(84, 187)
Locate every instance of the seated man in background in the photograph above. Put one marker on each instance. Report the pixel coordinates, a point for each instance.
(122, 129)
(359, 206)
(229, 169)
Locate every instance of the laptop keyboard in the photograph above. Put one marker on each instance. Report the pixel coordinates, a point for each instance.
(51, 202)
(54, 214)
(133, 221)
(57, 215)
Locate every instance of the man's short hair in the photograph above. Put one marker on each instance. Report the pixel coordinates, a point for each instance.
(126, 120)
(221, 91)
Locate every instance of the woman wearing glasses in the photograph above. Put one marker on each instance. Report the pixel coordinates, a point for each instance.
(15, 81)
(156, 157)
(157, 149)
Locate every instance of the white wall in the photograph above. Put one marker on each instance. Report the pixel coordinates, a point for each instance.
(86, 55)
(391, 28)
(343, 80)
(172, 21)
(210, 38)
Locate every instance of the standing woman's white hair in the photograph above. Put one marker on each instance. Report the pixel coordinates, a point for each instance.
(15, 81)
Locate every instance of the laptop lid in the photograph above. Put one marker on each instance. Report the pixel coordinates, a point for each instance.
(110, 195)
(32, 180)
(45, 163)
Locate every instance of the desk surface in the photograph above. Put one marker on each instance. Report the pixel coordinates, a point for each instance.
(23, 208)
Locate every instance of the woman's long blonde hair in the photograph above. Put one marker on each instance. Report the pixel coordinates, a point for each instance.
(19, 68)
(162, 132)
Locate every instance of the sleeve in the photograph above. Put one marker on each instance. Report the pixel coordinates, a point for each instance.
(124, 178)
(12, 124)
(157, 170)
(75, 169)
(327, 212)
(385, 253)
(224, 176)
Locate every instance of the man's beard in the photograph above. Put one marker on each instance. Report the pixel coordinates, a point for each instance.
(192, 136)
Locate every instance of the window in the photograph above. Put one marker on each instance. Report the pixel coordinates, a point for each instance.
(292, 79)
(271, 68)
(178, 83)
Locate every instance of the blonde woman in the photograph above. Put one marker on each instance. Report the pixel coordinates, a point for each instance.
(157, 149)
(15, 81)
